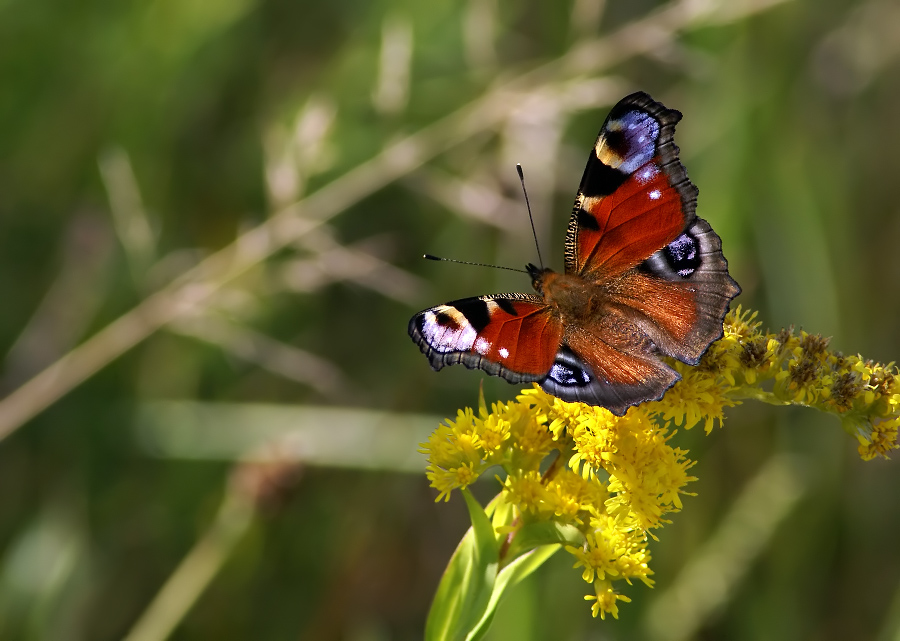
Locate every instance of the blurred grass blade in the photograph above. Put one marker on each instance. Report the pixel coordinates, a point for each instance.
(710, 577)
(326, 436)
(392, 88)
(196, 571)
(268, 353)
(130, 219)
(890, 628)
(44, 571)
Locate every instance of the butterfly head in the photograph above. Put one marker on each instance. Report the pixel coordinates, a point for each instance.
(537, 276)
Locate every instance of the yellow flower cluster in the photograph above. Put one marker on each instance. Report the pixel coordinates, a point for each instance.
(790, 369)
(614, 479)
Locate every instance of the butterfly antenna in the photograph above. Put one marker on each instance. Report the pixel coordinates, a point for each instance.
(530, 217)
(465, 262)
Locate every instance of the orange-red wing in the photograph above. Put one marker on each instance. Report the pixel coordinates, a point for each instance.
(635, 196)
(510, 335)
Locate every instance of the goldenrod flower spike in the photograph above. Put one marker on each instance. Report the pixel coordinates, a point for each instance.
(613, 480)
(787, 369)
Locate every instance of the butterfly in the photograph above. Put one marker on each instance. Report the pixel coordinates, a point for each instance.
(644, 278)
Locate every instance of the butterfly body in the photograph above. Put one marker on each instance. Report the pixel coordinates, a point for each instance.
(573, 299)
(644, 278)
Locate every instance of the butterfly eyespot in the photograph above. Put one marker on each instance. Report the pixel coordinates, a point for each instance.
(565, 375)
(683, 255)
(568, 372)
(616, 144)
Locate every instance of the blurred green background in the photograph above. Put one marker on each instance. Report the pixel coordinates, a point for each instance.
(338, 141)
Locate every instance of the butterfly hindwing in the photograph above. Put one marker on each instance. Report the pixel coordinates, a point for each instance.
(614, 379)
(684, 291)
(515, 336)
(609, 361)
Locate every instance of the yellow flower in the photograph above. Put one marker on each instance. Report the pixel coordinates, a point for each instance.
(700, 397)
(605, 600)
(598, 556)
(526, 491)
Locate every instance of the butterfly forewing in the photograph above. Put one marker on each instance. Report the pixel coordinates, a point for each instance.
(515, 336)
(634, 196)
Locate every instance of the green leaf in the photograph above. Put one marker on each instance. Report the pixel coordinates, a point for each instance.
(446, 607)
(468, 582)
(471, 588)
(533, 544)
(508, 577)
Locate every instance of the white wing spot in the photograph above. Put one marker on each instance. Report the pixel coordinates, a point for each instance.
(448, 339)
(504, 353)
(482, 346)
(655, 194)
(647, 174)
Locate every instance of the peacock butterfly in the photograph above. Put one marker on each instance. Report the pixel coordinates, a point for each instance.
(644, 278)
